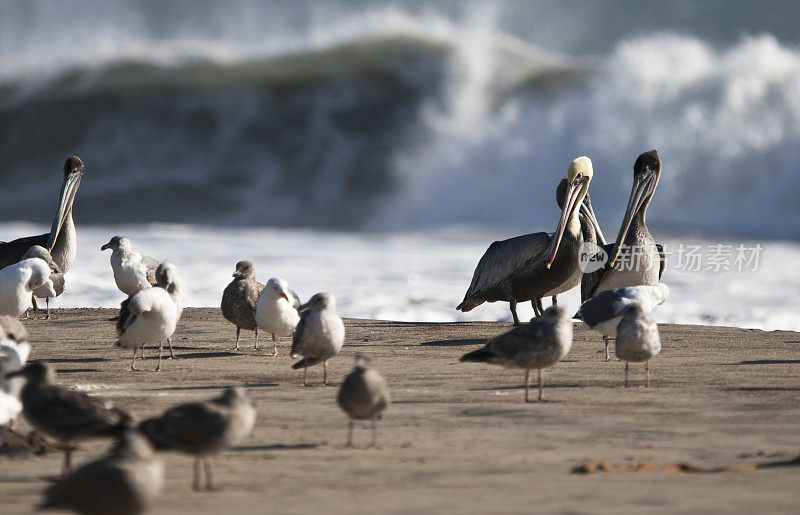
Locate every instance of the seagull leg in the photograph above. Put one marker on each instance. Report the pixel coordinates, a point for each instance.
(160, 352)
(238, 330)
(350, 424)
(171, 354)
(374, 433)
(47, 301)
(605, 340)
(65, 467)
(305, 375)
(647, 373)
(325, 372)
(209, 478)
(133, 363)
(142, 351)
(275, 344)
(541, 384)
(626, 374)
(527, 384)
(256, 342)
(513, 305)
(196, 482)
(33, 301)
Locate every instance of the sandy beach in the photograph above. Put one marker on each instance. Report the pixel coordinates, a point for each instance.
(458, 437)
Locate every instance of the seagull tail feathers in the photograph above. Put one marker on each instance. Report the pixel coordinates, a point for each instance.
(306, 362)
(482, 355)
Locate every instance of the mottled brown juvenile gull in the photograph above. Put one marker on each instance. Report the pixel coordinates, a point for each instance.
(539, 344)
(14, 350)
(133, 272)
(363, 396)
(275, 310)
(203, 429)
(319, 335)
(637, 338)
(56, 276)
(239, 300)
(125, 481)
(66, 415)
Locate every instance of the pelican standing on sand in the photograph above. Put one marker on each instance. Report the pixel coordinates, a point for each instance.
(601, 311)
(275, 310)
(133, 272)
(203, 429)
(14, 350)
(56, 276)
(123, 482)
(319, 335)
(637, 338)
(151, 315)
(643, 262)
(19, 281)
(534, 265)
(363, 396)
(239, 300)
(539, 344)
(66, 415)
(61, 241)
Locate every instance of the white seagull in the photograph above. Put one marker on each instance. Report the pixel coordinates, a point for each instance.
(601, 311)
(319, 335)
(363, 396)
(17, 283)
(14, 350)
(637, 338)
(133, 272)
(275, 310)
(56, 276)
(151, 315)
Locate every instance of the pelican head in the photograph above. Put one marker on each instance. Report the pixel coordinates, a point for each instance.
(73, 171)
(646, 172)
(578, 178)
(279, 288)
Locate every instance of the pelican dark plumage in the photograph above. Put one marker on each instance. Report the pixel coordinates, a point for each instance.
(643, 262)
(531, 266)
(61, 241)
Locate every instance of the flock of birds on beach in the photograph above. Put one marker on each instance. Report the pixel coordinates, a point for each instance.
(617, 299)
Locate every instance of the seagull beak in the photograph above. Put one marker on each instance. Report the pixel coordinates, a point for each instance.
(285, 296)
(644, 184)
(575, 194)
(66, 197)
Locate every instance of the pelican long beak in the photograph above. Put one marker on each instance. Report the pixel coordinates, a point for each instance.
(66, 197)
(588, 212)
(575, 193)
(644, 184)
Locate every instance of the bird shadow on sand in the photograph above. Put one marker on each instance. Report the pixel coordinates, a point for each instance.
(194, 355)
(210, 387)
(76, 370)
(455, 343)
(276, 447)
(771, 362)
(764, 389)
(547, 386)
(75, 360)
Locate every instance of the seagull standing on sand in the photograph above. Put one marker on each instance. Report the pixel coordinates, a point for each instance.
(541, 343)
(17, 283)
(125, 481)
(275, 310)
(363, 396)
(151, 315)
(637, 338)
(203, 429)
(14, 350)
(319, 335)
(56, 276)
(601, 312)
(133, 272)
(239, 300)
(66, 415)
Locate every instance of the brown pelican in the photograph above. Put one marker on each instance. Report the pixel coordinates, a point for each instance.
(61, 241)
(531, 266)
(643, 261)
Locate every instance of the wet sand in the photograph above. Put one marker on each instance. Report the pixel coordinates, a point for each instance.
(458, 437)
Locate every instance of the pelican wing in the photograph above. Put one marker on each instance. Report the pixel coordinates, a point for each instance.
(591, 280)
(505, 257)
(13, 251)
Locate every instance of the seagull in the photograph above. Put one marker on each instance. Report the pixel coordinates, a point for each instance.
(363, 396)
(239, 300)
(133, 272)
(17, 283)
(319, 335)
(125, 481)
(275, 310)
(637, 338)
(203, 428)
(14, 350)
(63, 414)
(56, 276)
(600, 312)
(541, 343)
(150, 316)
